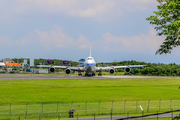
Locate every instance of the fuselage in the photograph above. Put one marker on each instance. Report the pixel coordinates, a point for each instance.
(2, 65)
(90, 66)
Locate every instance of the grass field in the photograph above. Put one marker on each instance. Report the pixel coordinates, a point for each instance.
(47, 93)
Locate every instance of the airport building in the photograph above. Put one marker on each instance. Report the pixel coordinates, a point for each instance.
(81, 62)
(40, 71)
(7, 60)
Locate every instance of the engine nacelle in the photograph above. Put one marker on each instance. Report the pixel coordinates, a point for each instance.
(81, 69)
(98, 69)
(111, 71)
(67, 71)
(52, 69)
(127, 70)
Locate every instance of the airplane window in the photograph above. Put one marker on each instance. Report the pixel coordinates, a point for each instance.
(89, 58)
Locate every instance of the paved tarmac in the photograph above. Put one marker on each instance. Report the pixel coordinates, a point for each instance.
(41, 76)
(120, 117)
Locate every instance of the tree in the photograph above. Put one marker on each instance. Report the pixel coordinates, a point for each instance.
(167, 21)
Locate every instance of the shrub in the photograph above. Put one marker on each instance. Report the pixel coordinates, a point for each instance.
(2, 72)
(12, 72)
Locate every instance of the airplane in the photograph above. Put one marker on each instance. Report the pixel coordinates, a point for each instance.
(2, 65)
(90, 68)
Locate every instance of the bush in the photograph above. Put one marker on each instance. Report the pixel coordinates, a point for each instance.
(12, 72)
(2, 72)
(14, 68)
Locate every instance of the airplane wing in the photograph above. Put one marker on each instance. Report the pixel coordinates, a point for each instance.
(130, 66)
(60, 67)
(116, 67)
(112, 71)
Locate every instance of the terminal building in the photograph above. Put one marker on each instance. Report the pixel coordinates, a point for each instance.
(7, 60)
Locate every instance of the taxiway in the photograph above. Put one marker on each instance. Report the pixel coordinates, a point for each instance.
(26, 76)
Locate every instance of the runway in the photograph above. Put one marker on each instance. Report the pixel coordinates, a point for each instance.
(41, 76)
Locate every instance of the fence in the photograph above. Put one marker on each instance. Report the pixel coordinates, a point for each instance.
(54, 110)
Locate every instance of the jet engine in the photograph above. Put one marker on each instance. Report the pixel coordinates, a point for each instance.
(98, 69)
(127, 70)
(111, 71)
(81, 69)
(67, 71)
(52, 69)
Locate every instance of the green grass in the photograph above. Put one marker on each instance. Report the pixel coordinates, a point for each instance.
(93, 90)
(19, 92)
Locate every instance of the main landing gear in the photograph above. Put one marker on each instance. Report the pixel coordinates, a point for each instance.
(100, 74)
(79, 74)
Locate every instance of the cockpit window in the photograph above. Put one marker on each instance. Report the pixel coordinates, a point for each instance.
(89, 58)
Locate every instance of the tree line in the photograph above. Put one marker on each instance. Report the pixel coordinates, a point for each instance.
(154, 69)
(151, 69)
(158, 70)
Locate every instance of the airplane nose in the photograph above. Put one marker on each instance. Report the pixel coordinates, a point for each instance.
(91, 68)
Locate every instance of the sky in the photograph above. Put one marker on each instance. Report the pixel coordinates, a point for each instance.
(116, 30)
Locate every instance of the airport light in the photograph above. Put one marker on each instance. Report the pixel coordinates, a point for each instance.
(170, 103)
(137, 106)
(148, 105)
(99, 106)
(125, 106)
(72, 104)
(160, 104)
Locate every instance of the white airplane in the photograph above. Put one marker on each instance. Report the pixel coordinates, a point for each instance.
(2, 65)
(90, 68)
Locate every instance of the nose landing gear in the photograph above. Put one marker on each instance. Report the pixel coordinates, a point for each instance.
(93, 74)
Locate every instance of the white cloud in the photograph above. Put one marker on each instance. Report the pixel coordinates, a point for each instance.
(145, 2)
(54, 38)
(95, 9)
(144, 43)
(140, 5)
(83, 42)
(51, 39)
